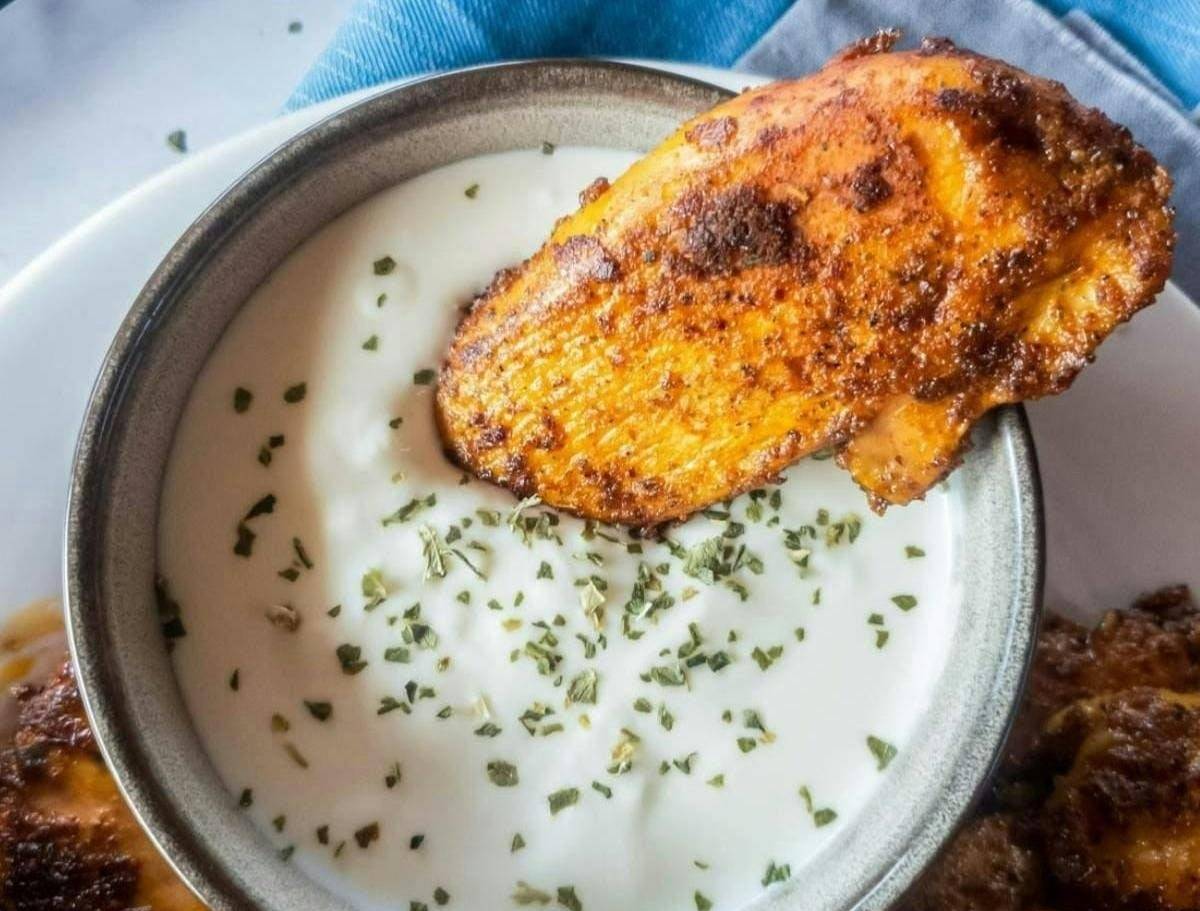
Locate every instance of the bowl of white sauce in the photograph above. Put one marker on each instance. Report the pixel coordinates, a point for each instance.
(329, 670)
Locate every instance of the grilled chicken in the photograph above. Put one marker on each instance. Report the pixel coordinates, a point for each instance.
(867, 259)
(1097, 803)
(1122, 826)
(67, 840)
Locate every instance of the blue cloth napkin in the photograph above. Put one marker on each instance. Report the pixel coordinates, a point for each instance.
(383, 40)
(1138, 60)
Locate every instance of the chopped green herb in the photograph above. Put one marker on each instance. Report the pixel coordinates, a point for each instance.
(667, 675)
(371, 344)
(397, 654)
(623, 752)
(415, 842)
(169, 613)
(800, 634)
(545, 571)
(291, 574)
(235, 679)
(665, 718)
(367, 834)
(702, 903)
(518, 842)
(881, 638)
(395, 423)
(323, 835)
(568, 899)
(294, 394)
(488, 729)
(295, 755)
(746, 744)
(776, 873)
(824, 817)
(262, 507)
(684, 763)
(913, 552)
(502, 774)
(526, 894)
(319, 710)
(904, 602)
(582, 688)
(560, 800)
(603, 789)
(703, 561)
(384, 266)
(246, 798)
(717, 781)
(373, 588)
(410, 509)
(441, 896)
(279, 822)
(763, 659)
(350, 658)
(177, 139)
(435, 552)
(883, 752)
(425, 377)
(547, 148)
(394, 776)
(472, 191)
(279, 724)
(718, 660)
(301, 554)
(751, 719)
(642, 704)
(242, 397)
(592, 600)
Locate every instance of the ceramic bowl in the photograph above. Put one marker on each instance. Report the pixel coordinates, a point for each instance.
(123, 668)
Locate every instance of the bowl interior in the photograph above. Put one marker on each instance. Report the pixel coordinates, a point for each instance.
(124, 670)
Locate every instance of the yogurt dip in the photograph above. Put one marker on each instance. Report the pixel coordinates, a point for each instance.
(426, 693)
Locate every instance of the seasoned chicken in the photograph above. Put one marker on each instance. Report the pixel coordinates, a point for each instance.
(992, 865)
(868, 259)
(1156, 642)
(67, 840)
(1097, 807)
(1122, 827)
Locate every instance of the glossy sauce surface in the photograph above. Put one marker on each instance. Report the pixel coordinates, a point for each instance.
(630, 722)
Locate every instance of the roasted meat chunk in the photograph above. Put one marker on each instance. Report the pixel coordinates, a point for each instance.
(867, 259)
(1097, 807)
(1122, 828)
(67, 840)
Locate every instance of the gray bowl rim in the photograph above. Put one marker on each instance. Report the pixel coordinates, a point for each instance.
(151, 800)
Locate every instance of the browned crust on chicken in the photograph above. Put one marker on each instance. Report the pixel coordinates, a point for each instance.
(869, 258)
(992, 865)
(67, 840)
(1122, 827)
(1156, 643)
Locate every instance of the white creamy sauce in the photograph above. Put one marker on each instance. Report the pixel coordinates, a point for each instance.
(668, 830)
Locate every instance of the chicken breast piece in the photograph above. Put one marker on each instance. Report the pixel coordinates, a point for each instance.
(869, 258)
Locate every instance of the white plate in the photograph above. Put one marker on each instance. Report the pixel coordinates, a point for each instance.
(1122, 495)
